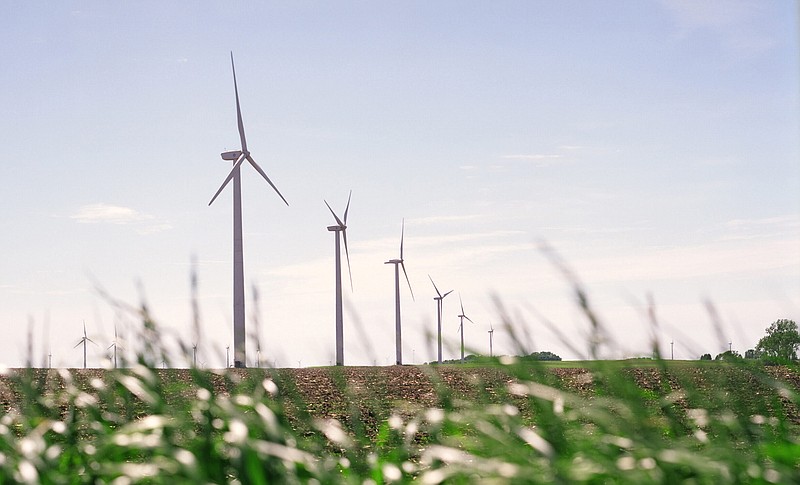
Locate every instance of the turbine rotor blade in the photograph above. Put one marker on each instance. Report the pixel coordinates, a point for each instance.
(470, 320)
(80, 342)
(434, 287)
(402, 233)
(229, 177)
(446, 294)
(238, 108)
(338, 221)
(255, 165)
(347, 253)
(462, 303)
(407, 280)
(347, 207)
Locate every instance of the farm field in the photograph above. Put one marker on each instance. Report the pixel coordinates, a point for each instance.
(642, 421)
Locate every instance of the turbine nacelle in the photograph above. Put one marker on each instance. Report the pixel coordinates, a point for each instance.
(232, 156)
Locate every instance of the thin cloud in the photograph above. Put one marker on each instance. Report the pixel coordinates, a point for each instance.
(108, 214)
(442, 219)
(531, 157)
(102, 213)
(731, 20)
(538, 159)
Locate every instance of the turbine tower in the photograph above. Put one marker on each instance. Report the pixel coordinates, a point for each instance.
(397, 327)
(439, 304)
(491, 334)
(461, 326)
(238, 157)
(83, 341)
(341, 233)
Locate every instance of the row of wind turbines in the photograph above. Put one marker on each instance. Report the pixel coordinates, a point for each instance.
(238, 158)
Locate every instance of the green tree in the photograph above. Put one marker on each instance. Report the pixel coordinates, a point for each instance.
(782, 340)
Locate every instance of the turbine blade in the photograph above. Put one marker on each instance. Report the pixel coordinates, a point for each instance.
(470, 320)
(434, 287)
(402, 233)
(347, 207)
(446, 294)
(462, 303)
(80, 342)
(229, 177)
(255, 165)
(407, 280)
(347, 253)
(338, 221)
(238, 108)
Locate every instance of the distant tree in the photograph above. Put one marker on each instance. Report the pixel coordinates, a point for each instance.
(752, 354)
(782, 340)
(728, 355)
(543, 356)
(705, 357)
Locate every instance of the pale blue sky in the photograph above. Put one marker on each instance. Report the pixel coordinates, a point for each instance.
(654, 144)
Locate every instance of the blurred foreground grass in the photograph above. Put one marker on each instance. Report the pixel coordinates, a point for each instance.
(511, 422)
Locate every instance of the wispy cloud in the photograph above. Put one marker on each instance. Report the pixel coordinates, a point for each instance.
(532, 157)
(442, 219)
(731, 20)
(538, 159)
(102, 213)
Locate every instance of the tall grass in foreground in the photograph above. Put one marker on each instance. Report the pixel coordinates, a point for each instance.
(512, 422)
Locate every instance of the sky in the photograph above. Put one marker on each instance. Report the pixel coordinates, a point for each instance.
(650, 147)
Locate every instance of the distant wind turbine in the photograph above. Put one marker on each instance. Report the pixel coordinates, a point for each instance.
(114, 346)
(340, 229)
(238, 157)
(491, 334)
(396, 263)
(439, 304)
(83, 341)
(462, 316)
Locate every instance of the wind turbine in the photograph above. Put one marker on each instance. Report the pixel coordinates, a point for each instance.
(238, 157)
(114, 345)
(491, 334)
(340, 228)
(83, 341)
(461, 326)
(439, 304)
(396, 263)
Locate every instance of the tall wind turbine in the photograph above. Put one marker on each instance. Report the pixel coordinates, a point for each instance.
(238, 157)
(341, 230)
(491, 334)
(396, 263)
(83, 341)
(439, 304)
(462, 316)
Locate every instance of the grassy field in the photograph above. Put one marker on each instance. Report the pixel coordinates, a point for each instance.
(519, 422)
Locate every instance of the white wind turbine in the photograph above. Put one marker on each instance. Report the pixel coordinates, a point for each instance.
(397, 327)
(83, 341)
(114, 346)
(340, 229)
(491, 334)
(238, 157)
(462, 316)
(439, 304)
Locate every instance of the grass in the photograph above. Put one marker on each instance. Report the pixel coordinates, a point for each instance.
(498, 421)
